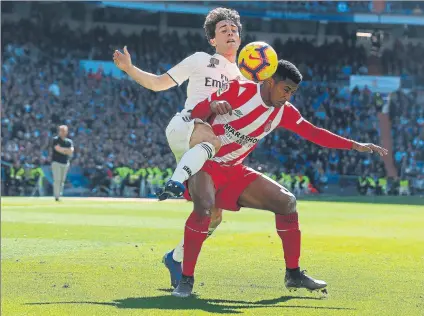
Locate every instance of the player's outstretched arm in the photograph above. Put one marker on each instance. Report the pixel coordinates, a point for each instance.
(293, 121)
(146, 79)
(369, 148)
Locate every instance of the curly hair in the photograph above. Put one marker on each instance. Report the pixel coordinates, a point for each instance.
(218, 15)
(286, 70)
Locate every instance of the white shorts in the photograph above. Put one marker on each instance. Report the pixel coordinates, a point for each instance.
(179, 131)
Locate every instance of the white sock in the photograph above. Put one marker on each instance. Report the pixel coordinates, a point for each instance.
(192, 161)
(178, 254)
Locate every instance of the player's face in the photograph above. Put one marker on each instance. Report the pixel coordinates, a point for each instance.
(227, 37)
(282, 91)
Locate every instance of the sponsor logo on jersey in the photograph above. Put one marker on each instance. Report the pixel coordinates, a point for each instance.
(239, 138)
(210, 82)
(213, 62)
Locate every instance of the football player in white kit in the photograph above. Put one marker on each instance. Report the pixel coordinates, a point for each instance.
(192, 141)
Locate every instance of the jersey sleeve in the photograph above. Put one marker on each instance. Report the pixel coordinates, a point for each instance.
(228, 92)
(294, 121)
(182, 71)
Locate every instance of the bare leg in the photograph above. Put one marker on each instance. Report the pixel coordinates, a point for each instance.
(266, 194)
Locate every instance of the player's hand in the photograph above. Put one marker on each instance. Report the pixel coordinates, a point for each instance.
(221, 107)
(122, 60)
(369, 148)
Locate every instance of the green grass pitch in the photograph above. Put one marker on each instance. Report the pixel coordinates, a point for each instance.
(103, 257)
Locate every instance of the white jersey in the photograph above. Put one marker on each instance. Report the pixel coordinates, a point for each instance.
(205, 73)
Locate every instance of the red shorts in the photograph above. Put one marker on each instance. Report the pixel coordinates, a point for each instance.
(229, 181)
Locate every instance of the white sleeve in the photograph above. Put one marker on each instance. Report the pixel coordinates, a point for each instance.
(182, 71)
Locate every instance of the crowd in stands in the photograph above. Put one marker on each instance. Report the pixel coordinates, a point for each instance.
(117, 124)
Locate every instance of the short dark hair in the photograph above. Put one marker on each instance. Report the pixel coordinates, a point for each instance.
(286, 70)
(217, 15)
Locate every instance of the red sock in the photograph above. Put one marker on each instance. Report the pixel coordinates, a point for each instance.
(288, 230)
(195, 233)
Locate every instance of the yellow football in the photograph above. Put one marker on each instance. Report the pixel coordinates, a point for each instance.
(257, 61)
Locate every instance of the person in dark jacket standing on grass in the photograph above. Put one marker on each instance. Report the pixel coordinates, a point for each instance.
(63, 148)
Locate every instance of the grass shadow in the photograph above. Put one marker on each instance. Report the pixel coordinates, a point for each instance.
(218, 306)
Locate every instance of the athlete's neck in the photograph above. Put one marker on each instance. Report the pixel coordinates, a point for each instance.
(231, 57)
(265, 95)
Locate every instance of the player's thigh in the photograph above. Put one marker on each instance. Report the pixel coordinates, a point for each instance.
(266, 194)
(203, 133)
(178, 133)
(202, 192)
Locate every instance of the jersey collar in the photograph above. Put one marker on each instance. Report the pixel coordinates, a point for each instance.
(223, 60)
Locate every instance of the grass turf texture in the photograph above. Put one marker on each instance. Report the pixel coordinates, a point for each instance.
(88, 257)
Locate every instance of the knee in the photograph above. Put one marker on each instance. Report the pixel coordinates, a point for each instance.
(203, 204)
(288, 205)
(203, 133)
(215, 141)
(291, 204)
(212, 139)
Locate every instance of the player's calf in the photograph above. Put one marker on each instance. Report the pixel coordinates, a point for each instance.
(174, 258)
(202, 192)
(216, 219)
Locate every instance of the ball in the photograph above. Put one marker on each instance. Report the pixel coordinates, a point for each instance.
(257, 61)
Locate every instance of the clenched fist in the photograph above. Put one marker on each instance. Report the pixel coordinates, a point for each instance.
(221, 107)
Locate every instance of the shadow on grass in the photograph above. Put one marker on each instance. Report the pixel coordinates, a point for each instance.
(218, 306)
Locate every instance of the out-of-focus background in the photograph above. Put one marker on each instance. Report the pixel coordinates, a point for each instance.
(363, 69)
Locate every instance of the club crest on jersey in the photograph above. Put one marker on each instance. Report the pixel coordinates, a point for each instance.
(267, 126)
(213, 62)
(238, 113)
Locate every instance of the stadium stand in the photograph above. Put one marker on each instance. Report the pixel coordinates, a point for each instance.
(118, 127)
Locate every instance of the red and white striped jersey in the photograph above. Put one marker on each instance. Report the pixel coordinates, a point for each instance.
(252, 120)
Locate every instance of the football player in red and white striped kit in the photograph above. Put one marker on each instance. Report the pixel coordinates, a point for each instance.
(225, 183)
